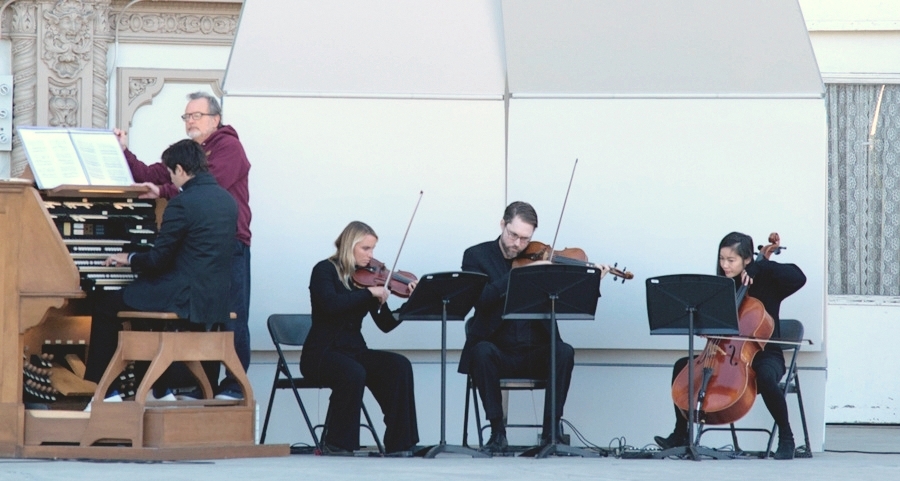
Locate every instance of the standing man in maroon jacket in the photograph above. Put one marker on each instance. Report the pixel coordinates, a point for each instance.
(229, 165)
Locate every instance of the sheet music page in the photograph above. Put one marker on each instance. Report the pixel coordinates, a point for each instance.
(102, 157)
(52, 157)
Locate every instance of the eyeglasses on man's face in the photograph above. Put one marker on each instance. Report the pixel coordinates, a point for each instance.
(516, 238)
(195, 116)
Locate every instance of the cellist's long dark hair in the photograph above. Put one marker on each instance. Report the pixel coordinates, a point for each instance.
(741, 243)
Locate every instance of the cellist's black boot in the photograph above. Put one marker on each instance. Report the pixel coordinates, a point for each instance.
(674, 440)
(785, 448)
(679, 436)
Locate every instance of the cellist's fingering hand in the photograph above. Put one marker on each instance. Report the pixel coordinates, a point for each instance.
(746, 279)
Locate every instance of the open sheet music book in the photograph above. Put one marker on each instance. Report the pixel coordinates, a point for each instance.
(60, 156)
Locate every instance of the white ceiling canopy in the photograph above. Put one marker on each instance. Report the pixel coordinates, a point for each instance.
(659, 48)
(372, 48)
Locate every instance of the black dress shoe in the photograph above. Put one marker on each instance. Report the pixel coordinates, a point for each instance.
(673, 441)
(496, 444)
(785, 449)
(332, 450)
(404, 453)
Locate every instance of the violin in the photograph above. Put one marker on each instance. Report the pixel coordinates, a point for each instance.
(724, 381)
(573, 256)
(376, 274)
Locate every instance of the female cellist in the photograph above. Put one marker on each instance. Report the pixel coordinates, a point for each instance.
(336, 354)
(770, 283)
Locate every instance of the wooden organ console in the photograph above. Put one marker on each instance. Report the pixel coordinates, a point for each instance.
(51, 251)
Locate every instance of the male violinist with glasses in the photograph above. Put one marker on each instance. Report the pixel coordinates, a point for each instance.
(498, 349)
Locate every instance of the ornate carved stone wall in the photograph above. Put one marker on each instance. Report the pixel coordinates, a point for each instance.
(60, 47)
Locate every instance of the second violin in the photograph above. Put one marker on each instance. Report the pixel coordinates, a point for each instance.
(538, 251)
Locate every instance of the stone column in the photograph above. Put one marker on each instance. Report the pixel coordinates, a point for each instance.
(22, 34)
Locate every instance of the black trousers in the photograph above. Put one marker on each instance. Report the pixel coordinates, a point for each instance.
(105, 327)
(769, 367)
(490, 363)
(389, 377)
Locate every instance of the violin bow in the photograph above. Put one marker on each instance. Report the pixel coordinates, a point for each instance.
(561, 212)
(390, 275)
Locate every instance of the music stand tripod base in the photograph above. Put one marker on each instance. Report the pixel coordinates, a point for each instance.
(441, 297)
(554, 292)
(690, 305)
(541, 452)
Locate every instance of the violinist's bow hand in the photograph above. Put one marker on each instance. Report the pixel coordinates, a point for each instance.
(380, 292)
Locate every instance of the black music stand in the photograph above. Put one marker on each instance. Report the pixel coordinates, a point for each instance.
(692, 304)
(554, 292)
(444, 296)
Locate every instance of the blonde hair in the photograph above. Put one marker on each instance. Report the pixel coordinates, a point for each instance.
(343, 259)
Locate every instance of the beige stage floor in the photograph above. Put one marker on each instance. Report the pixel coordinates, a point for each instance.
(852, 453)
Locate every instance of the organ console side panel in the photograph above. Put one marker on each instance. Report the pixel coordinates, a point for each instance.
(36, 273)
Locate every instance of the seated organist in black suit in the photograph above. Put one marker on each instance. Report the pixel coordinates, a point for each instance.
(188, 270)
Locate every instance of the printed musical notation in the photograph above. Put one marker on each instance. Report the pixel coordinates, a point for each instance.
(74, 157)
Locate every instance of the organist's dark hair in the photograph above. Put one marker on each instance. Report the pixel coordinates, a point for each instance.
(188, 154)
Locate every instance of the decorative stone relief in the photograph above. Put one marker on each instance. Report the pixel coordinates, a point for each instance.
(24, 17)
(63, 106)
(67, 39)
(137, 86)
(177, 22)
(173, 23)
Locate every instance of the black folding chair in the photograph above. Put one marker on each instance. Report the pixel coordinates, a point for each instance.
(791, 331)
(291, 330)
(506, 384)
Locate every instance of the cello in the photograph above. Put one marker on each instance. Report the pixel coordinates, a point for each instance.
(724, 381)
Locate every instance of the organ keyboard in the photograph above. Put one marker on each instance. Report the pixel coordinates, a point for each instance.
(95, 228)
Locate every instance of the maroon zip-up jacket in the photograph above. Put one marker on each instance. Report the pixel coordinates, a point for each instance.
(227, 163)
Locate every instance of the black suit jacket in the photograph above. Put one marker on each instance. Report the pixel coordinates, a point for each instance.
(487, 258)
(188, 270)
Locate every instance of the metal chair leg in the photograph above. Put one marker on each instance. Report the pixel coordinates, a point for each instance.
(262, 437)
